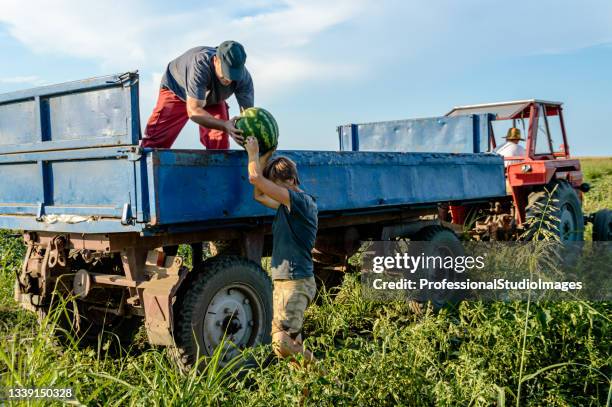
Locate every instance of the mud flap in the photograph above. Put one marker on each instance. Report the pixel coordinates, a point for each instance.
(166, 274)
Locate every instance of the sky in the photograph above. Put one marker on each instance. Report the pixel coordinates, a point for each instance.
(318, 64)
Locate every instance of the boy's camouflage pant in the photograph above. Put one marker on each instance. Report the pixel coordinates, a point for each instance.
(291, 297)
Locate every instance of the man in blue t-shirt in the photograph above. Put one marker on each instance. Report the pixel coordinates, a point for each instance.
(195, 86)
(294, 232)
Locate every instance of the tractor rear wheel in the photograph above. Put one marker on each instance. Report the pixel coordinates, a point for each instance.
(227, 302)
(555, 211)
(602, 225)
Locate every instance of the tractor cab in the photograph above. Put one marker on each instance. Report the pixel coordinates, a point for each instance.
(540, 123)
(545, 164)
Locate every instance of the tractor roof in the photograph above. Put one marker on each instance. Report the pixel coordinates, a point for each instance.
(510, 109)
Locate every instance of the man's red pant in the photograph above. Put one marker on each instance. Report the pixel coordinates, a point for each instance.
(169, 117)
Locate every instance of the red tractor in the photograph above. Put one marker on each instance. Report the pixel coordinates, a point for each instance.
(545, 170)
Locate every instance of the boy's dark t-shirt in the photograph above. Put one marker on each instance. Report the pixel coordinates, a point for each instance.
(294, 233)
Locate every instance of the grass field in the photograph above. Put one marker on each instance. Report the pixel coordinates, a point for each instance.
(557, 354)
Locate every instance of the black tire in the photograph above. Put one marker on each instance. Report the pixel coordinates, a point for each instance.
(438, 234)
(446, 243)
(564, 213)
(602, 225)
(225, 295)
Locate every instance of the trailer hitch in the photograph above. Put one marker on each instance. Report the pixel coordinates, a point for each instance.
(57, 255)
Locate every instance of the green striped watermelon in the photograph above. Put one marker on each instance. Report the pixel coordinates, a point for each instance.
(259, 123)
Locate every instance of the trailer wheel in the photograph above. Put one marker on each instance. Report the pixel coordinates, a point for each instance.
(228, 296)
(563, 209)
(445, 243)
(602, 225)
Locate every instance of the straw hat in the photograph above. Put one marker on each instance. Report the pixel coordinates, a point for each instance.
(513, 134)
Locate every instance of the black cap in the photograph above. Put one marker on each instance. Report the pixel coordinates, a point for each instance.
(233, 57)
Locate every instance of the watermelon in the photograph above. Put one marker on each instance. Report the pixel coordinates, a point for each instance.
(259, 123)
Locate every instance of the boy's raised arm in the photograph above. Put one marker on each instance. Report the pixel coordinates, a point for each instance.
(265, 191)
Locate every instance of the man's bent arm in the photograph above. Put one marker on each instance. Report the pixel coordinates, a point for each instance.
(196, 112)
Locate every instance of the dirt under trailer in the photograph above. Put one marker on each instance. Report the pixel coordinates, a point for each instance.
(101, 216)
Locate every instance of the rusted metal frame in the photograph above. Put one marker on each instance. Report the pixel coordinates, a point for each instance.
(117, 242)
(534, 137)
(166, 275)
(549, 137)
(134, 242)
(253, 244)
(566, 148)
(26, 263)
(363, 219)
(96, 242)
(133, 260)
(159, 277)
(533, 122)
(519, 194)
(112, 280)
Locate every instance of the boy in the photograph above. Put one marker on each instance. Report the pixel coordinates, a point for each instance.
(294, 232)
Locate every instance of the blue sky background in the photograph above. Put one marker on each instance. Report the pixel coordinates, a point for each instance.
(317, 64)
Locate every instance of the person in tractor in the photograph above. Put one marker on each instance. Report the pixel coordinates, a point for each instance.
(512, 148)
(294, 231)
(195, 86)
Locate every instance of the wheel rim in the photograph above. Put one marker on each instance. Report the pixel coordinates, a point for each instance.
(567, 224)
(234, 312)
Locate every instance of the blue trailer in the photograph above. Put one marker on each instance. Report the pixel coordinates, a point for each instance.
(101, 216)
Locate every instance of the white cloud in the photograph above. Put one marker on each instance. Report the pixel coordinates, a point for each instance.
(299, 22)
(95, 31)
(125, 35)
(290, 42)
(29, 80)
